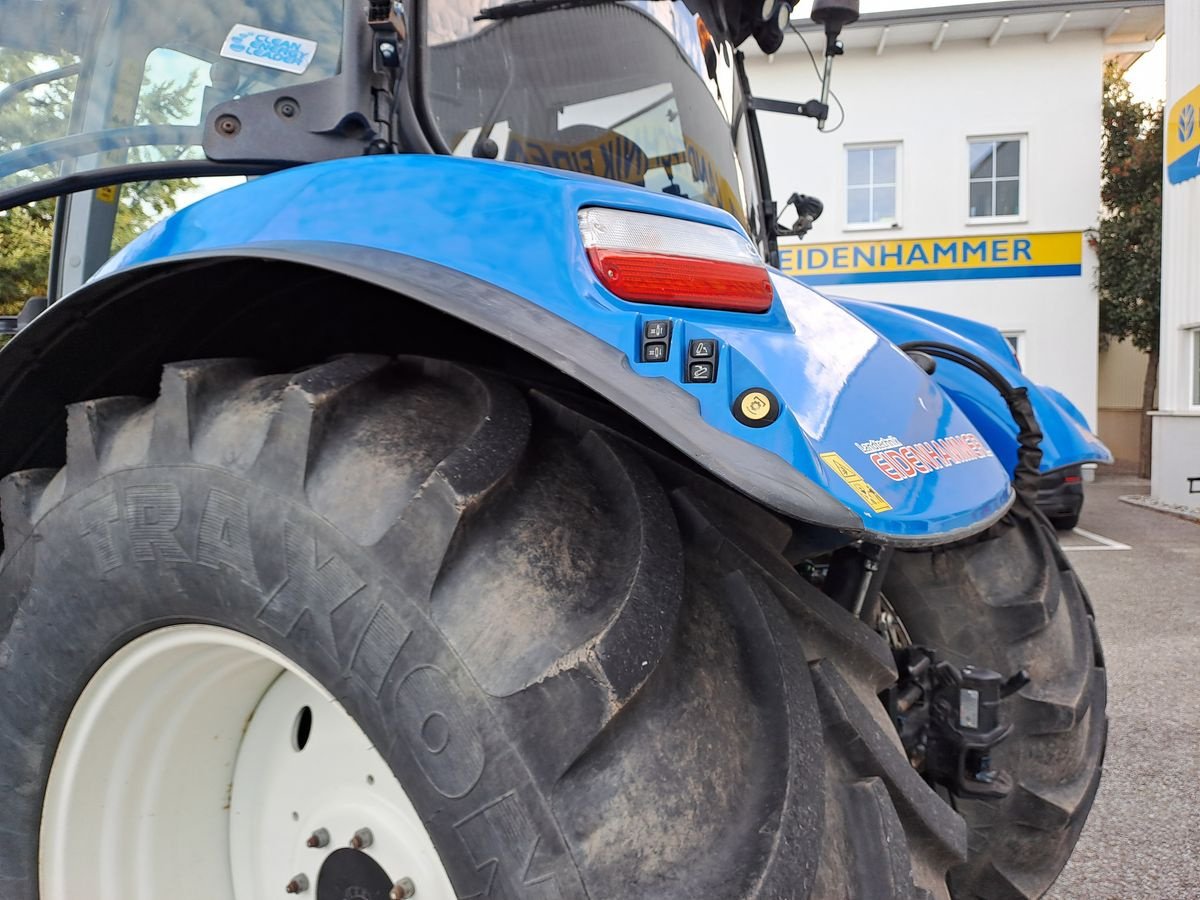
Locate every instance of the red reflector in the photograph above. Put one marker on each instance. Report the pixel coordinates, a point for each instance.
(1072, 479)
(682, 280)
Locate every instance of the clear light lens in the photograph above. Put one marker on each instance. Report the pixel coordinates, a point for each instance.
(618, 229)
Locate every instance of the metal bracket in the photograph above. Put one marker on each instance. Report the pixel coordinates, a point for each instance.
(812, 109)
(326, 119)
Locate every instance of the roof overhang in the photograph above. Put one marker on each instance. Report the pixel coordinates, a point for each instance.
(1129, 27)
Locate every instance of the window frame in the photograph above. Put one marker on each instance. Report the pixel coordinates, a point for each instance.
(878, 224)
(1016, 341)
(1022, 214)
(1193, 389)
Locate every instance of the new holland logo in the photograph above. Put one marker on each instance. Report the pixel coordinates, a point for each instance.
(1183, 138)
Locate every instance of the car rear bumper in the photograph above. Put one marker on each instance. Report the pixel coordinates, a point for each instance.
(1060, 493)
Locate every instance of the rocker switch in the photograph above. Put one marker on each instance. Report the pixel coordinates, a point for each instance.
(701, 365)
(656, 341)
(657, 330)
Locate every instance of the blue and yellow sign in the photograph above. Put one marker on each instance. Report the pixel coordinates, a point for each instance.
(1183, 138)
(1049, 255)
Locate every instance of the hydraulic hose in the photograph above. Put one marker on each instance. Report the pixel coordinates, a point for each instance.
(1027, 472)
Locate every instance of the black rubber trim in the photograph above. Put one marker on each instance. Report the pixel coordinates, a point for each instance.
(154, 171)
(667, 409)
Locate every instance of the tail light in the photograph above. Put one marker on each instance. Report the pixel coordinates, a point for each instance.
(657, 259)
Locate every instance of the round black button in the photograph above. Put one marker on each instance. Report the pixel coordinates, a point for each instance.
(756, 407)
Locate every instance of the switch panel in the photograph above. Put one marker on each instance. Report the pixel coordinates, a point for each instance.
(656, 341)
(701, 365)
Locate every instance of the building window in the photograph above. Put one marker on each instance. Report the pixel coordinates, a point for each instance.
(871, 185)
(995, 177)
(1016, 343)
(1195, 366)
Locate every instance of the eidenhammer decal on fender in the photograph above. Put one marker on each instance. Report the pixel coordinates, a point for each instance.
(900, 462)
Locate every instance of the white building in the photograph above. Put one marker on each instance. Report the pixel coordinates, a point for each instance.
(1175, 476)
(967, 168)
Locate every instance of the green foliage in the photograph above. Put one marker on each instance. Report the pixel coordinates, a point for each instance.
(1128, 241)
(43, 113)
(25, 235)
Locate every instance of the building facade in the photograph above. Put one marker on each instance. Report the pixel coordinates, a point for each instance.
(1175, 474)
(960, 167)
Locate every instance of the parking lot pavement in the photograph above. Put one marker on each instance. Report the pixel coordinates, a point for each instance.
(1143, 837)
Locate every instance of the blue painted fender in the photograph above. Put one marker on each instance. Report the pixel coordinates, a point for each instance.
(865, 441)
(1067, 439)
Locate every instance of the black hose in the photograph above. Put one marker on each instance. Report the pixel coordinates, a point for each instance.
(1027, 472)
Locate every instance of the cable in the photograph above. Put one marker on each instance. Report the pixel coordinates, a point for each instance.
(1027, 473)
(817, 69)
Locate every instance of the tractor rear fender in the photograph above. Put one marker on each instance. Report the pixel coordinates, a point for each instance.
(458, 257)
(1067, 439)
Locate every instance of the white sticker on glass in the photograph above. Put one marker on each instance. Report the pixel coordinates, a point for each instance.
(246, 43)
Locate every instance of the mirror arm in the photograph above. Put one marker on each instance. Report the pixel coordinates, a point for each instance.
(812, 109)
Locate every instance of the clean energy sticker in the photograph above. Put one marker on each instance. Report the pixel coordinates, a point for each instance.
(246, 43)
(847, 473)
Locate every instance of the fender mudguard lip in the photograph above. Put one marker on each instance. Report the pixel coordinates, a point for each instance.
(661, 405)
(671, 412)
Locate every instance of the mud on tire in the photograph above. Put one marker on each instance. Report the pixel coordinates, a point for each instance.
(639, 696)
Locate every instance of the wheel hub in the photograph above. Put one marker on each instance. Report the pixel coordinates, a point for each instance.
(201, 751)
(352, 875)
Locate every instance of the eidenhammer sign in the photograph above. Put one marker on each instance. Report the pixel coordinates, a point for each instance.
(1183, 138)
(1044, 255)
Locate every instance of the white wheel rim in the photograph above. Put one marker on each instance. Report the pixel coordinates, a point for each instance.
(179, 775)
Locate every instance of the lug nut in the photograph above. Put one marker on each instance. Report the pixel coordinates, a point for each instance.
(318, 838)
(402, 890)
(298, 885)
(362, 839)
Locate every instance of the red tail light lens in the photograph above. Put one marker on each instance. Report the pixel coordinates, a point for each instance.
(657, 259)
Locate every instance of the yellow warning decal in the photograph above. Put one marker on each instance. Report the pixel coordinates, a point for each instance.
(107, 194)
(846, 472)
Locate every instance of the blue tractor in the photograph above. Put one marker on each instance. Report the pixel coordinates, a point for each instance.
(463, 506)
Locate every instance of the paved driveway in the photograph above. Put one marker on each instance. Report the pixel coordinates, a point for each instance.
(1143, 837)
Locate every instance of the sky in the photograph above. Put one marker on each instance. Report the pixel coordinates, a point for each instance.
(1148, 76)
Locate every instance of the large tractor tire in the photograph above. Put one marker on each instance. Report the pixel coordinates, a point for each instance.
(393, 624)
(1007, 601)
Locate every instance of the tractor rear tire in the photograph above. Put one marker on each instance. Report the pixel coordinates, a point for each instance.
(592, 671)
(1006, 601)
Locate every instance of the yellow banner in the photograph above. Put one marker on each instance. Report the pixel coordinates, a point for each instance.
(1183, 138)
(1045, 255)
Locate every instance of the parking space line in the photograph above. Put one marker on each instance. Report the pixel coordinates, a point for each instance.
(1101, 542)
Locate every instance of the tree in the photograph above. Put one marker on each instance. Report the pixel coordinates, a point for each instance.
(42, 113)
(1128, 241)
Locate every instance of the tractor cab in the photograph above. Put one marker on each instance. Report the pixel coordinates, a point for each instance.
(127, 109)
